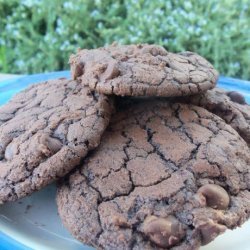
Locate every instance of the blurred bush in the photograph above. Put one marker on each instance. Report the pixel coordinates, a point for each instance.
(38, 36)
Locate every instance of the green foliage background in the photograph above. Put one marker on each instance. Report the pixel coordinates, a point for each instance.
(39, 35)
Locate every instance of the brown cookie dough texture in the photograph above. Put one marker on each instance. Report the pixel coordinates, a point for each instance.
(230, 106)
(45, 131)
(168, 176)
(142, 70)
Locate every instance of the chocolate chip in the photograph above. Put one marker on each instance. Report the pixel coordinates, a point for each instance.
(111, 71)
(53, 144)
(236, 97)
(164, 232)
(10, 151)
(154, 50)
(78, 71)
(120, 222)
(210, 230)
(214, 196)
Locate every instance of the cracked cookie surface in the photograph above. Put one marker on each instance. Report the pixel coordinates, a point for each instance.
(142, 70)
(168, 175)
(45, 131)
(229, 105)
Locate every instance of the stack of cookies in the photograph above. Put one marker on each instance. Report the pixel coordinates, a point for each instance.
(148, 153)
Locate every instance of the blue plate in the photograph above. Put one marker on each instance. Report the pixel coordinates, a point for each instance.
(12, 86)
(7, 243)
(57, 237)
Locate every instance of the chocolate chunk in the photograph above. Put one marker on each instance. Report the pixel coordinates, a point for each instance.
(53, 144)
(164, 232)
(154, 50)
(214, 196)
(236, 97)
(120, 221)
(111, 71)
(210, 230)
(10, 151)
(78, 71)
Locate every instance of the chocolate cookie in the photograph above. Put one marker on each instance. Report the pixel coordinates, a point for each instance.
(45, 131)
(169, 175)
(230, 106)
(142, 70)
